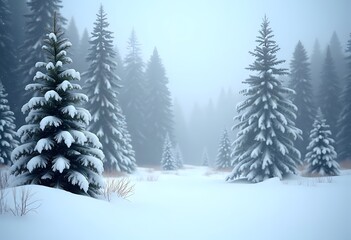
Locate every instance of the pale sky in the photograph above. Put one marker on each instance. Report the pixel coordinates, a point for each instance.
(204, 44)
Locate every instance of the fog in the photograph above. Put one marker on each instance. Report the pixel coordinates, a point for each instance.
(204, 44)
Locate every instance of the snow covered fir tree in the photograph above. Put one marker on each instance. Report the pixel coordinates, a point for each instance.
(158, 108)
(264, 147)
(224, 152)
(168, 162)
(321, 155)
(7, 129)
(56, 150)
(133, 97)
(344, 121)
(39, 21)
(102, 85)
(300, 82)
(205, 160)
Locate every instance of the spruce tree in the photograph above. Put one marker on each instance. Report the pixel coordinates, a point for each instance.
(18, 9)
(329, 92)
(205, 159)
(133, 97)
(264, 147)
(56, 149)
(8, 59)
(82, 53)
(338, 56)
(344, 121)
(31, 52)
(224, 152)
(7, 129)
(300, 82)
(321, 156)
(119, 65)
(108, 121)
(73, 36)
(178, 157)
(316, 69)
(159, 117)
(167, 161)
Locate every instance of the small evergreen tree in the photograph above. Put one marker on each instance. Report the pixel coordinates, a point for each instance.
(7, 129)
(158, 108)
(329, 92)
(167, 161)
(264, 147)
(344, 122)
(321, 156)
(300, 82)
(57, 150)
(108, 121)
(205, 159)
(224, 152)
(178, 157)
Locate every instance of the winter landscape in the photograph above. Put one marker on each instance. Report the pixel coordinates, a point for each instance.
(237, 125)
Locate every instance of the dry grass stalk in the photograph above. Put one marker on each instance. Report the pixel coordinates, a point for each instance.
(122, 187)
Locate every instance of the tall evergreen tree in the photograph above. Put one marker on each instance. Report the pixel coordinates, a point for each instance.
(264, 147)
(119, 65)
(18, 9)
(133, 97)
(321, 156)
(329, 92)
(224, 152)
(167, 161)
(300, 82)
(8, 59)
(73, 36)
(39, 21)
(159, 117)
(316, 69)
(108, 121)
(82, 52)
(344, 122)
(7, 129)
(338, 56)
(57, 150)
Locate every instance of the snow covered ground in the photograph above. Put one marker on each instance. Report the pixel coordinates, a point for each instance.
(195, 203)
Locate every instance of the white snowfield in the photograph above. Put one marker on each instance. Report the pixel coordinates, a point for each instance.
(191, 204)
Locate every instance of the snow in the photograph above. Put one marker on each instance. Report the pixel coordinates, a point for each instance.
(189, 204)
(53, 37)
(50, 121)
(70, 73)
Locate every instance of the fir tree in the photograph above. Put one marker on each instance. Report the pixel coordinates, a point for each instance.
(158, 108)
(119, 65)
(31, 52)
(224, 152)
(167, 161)
(205, 159)
(108, 121)
(8, 59)
(264, 147)
(300, 82)
(82, 52)
(321, 155)
(316, 69)
(18, 9)
(338, 56)
(7, 129)
(344, 122)
(329, 92)
(73, 36)
(57, 150)
(178, 157)
(133, 97)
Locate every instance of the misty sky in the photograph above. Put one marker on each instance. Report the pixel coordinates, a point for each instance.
(204, 44)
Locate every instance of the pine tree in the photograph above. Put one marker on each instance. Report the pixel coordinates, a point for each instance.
(7, 129)
(119, 62)
(316, 69)
(57, 150)
(338, 56)
(344, 122)
(264, 147)
(300, 82)
(73, 36)
(108, 121)
(224, 152)
(321, 156)
(82, 53)
(167, 161)
(178, 157)
(133, 97)
(8, 59)
(205, 159)
(329, 92)
(159, 116)
(18, 9)
(39, 20)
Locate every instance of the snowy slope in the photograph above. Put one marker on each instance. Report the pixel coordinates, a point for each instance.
(193, 204)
